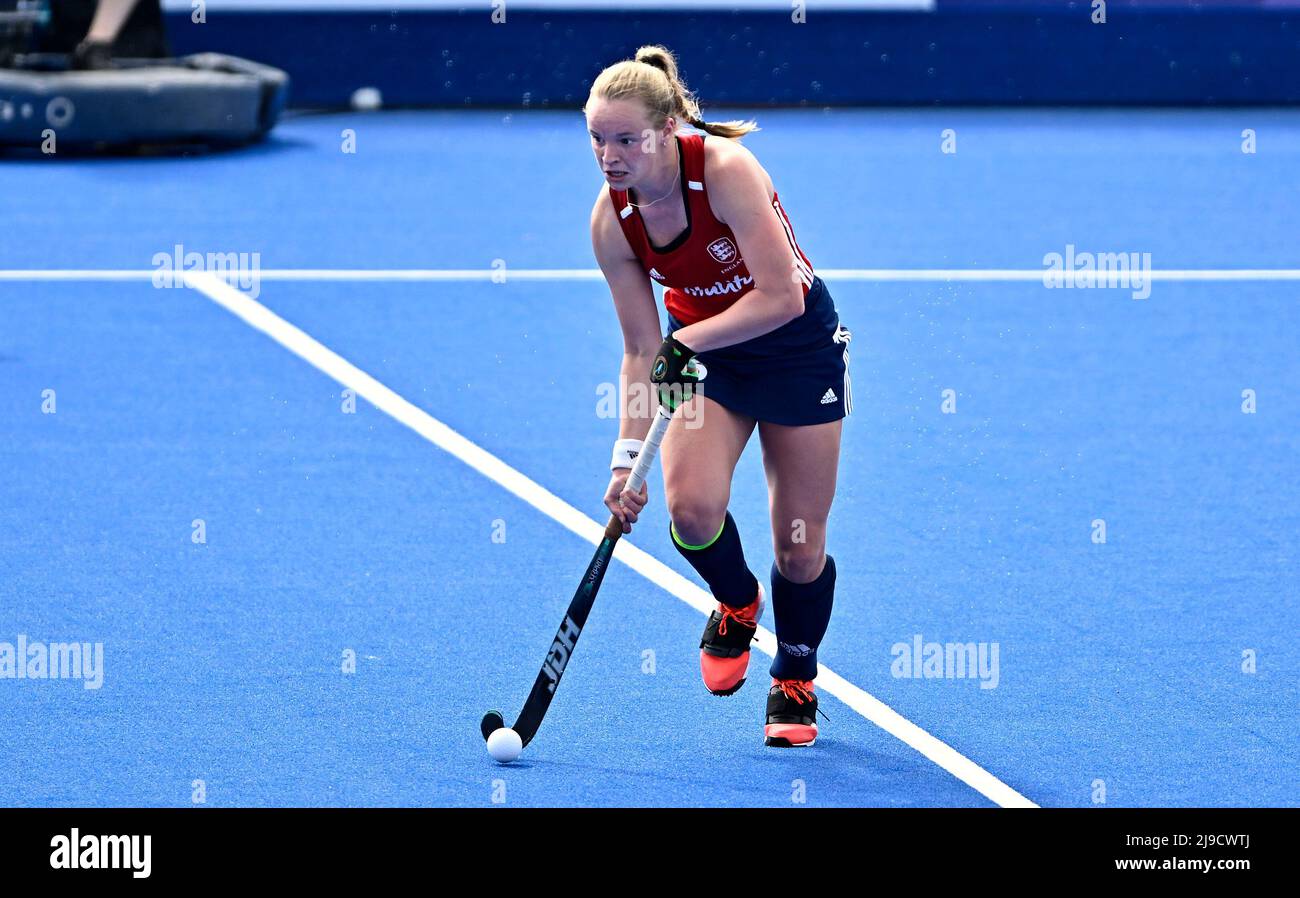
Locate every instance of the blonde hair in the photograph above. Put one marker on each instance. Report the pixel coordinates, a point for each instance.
(651, 77)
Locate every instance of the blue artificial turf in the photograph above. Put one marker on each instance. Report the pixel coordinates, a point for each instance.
(330, 532)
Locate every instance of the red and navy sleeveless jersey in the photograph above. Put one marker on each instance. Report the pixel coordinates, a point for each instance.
(702, 268)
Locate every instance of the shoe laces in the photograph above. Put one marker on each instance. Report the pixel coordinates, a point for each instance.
(800, 691)
(738, 615)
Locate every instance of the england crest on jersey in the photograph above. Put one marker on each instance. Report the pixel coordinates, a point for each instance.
(723, 250)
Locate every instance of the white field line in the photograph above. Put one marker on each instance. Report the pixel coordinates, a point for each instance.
(348, 375)
(941, 275)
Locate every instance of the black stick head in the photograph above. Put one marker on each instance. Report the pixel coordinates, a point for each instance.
(492, 721)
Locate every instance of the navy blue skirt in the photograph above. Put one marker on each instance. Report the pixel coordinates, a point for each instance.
(795, 375)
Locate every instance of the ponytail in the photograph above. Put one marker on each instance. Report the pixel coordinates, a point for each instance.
(662, 92)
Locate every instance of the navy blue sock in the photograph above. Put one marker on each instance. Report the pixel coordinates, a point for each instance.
(721, 562)
(802, 612)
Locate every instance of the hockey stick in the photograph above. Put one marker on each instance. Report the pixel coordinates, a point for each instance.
(566, 638)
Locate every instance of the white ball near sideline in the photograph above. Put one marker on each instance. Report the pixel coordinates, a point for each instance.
(504, 745)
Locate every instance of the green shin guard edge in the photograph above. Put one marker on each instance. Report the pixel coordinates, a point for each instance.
(677, 539)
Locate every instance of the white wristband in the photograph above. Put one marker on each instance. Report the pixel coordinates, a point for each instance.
(625, 453)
